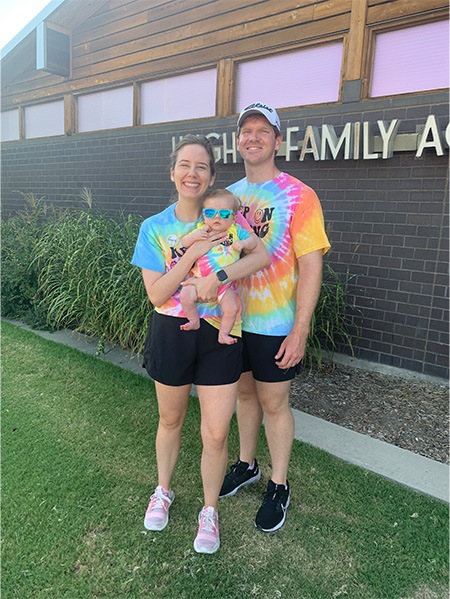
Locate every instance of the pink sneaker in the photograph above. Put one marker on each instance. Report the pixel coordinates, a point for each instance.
(207, 539)
(157, 514)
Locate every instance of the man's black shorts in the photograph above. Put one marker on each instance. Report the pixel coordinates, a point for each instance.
(174, 357)
(258, 357)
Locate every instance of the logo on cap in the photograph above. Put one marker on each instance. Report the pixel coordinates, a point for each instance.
(260, 108)
(259, 105)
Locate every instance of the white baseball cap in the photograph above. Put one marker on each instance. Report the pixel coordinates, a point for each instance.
(260, 108)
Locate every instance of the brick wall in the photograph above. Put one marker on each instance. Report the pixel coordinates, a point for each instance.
(388, 219)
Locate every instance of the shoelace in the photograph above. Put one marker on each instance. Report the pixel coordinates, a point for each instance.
(207, 522)
(272, 497)
(159, 500)
(239, 468)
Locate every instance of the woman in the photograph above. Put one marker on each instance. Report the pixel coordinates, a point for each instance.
(176, 359)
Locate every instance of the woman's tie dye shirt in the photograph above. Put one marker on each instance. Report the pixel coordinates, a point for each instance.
(286, 214)
(220, 255)
(159, 248)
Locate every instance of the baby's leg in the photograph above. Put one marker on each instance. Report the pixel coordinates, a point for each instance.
(229, 303)
(188, 297)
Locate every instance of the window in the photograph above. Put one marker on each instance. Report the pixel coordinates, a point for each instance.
(10, 125)
(44, 120)
(308, 76)
(411, 60)
(110, 109)
(180, 98)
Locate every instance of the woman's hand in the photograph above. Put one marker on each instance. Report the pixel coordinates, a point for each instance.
(202, 246)
(200, 234)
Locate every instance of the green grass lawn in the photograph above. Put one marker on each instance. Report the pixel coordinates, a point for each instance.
(78, 465)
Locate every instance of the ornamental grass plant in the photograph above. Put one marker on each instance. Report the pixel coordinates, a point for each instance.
(334, 323)
(19, 276)
(77, 264)
(70, 268)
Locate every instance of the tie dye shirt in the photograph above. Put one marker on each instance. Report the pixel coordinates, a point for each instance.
(220, 255)
(286, 214)
(159, 248)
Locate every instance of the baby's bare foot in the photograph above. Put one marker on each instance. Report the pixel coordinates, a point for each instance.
(192, 325)
(226, 339)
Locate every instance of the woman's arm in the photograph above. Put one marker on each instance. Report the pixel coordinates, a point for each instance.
(251, 262)
(196, 235)
(161, 286)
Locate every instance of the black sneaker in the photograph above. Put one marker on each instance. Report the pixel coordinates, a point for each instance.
(239, 476)
(272, 513)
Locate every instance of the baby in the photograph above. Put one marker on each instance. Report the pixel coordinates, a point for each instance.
(220, 208)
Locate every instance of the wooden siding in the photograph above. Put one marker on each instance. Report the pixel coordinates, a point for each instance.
(380, 11)
(120, 41)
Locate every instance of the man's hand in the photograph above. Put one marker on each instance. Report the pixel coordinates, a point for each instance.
(292, 349)
(207, 287)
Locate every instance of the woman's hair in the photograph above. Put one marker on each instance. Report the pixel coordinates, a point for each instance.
(190, 140)
(220, 193)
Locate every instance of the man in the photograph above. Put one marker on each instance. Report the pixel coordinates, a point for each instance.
(278, 303)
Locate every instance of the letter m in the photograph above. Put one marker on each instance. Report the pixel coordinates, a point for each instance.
(331, 145)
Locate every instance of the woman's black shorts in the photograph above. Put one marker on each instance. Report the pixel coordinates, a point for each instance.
(174, 357)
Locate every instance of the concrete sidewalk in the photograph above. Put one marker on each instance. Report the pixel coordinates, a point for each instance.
(405, 467)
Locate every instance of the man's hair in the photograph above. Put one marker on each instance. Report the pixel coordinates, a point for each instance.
(220, 193)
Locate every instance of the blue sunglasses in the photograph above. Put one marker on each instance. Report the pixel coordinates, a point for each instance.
(211, 213)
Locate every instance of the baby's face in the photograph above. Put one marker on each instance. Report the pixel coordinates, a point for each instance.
(218, 214)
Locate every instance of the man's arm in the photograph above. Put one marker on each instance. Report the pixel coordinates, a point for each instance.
(292, 349)
(251, 262)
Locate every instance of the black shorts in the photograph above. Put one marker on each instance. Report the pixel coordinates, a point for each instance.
(174, 357)
(258, 357)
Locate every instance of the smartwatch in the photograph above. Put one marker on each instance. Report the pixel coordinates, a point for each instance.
(222, 276)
